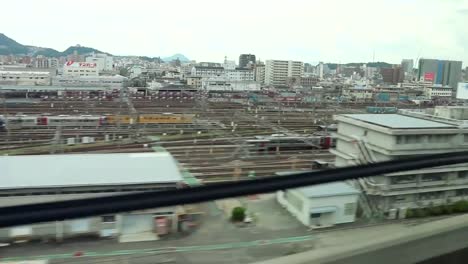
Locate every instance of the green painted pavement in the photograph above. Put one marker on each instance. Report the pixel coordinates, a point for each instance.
(231, 245)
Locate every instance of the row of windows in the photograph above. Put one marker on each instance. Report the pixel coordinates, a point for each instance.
(414, 139)
(4, 77)
(441, 176)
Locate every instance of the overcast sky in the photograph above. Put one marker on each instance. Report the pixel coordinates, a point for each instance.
(207, 30)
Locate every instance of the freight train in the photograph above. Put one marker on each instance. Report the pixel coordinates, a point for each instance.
(33, 121)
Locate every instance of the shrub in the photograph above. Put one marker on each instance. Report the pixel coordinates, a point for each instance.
(448, 209)
(435, 210)
(420, 212)
(460, 206)
(238, 214)
(409, 213)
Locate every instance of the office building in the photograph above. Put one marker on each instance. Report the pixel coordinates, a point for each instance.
(393, 75)
(407, 65)
(104, 62)
(365, 138)
(72, 68)
(244, 59)
(277, 71)
(116, 81)
(438, 91)
(443, 72)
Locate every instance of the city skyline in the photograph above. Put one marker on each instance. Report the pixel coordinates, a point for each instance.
(312, 31)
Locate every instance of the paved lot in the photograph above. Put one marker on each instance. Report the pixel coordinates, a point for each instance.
(216, 229)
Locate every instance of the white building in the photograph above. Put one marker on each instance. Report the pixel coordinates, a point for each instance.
(25, 77)
(277, 71)
(260, 73)
(225, 85)
(75, 176)
(195, 82)
(72, 68)
(116, 81)
(207, 72)
(104, 62)
(358, 92)
(240, 74)
(136, 71)
(363, 138)
(321, 205)
(438, 91)
(320, 70)
(229, 64)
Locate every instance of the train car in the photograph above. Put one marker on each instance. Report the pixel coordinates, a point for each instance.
(21, 121)
(327, 142)
(119, 119)
(73, 121)
(166, 118)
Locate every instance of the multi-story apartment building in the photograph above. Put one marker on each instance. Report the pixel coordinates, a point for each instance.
(277, 71)
(208, 71)
(240, 74)
(244, 59)
(365, 138)
(260, 72)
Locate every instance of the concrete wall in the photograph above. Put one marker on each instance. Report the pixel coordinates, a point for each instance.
(339, 202)
(299, 213)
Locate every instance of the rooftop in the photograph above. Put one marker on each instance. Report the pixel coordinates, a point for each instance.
(45, 171)
(397, 121)
(328, 189)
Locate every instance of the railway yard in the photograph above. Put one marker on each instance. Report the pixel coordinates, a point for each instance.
(213, 139)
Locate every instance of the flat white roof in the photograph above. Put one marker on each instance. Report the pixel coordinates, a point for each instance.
(73, 170)
(397, 121)
(328, 189)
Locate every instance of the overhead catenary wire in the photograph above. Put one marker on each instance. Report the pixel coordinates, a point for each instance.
(79, 208)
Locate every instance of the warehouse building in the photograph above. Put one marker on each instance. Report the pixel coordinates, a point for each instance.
(74, 176)
(321, 205)
(363, 138)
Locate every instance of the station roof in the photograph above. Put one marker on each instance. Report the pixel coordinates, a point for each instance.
(328, 189)
(80, 170)
(397, 121)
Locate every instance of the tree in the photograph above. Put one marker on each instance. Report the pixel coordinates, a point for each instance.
(238, 214)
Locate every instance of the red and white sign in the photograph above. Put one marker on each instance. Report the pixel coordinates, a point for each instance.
(80, 64)
(429, 76)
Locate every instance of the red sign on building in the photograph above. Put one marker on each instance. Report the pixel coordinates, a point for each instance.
(429, 76)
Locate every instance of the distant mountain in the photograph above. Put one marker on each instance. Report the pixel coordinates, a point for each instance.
(179, 56)
(81, 50)
(10, 47)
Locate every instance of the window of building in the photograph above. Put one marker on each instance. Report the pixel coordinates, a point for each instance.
(400, 198)
(433, 177)
(350, 208)
(463, 175)
(431, 195)
(315, 215)
(403, 179)
(108, 218)
(462, 192)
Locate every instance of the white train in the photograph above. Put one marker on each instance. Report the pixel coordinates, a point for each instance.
(25, 121)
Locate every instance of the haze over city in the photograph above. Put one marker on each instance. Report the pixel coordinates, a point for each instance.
(208, 30)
